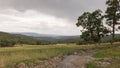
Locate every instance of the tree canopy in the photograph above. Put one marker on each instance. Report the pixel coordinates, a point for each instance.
(92, 23)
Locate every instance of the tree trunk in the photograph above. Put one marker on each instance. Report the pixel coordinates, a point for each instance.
(114, 22)
(113, 36)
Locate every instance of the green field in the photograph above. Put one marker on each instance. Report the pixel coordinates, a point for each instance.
(10, 56)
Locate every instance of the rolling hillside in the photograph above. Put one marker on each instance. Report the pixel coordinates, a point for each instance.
(20, 39)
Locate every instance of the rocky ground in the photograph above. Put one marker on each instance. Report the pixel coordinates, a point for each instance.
(77, 61)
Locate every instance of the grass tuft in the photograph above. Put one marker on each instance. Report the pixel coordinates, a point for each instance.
(91, 65)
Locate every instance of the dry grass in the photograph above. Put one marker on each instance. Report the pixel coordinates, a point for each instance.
(12, 55)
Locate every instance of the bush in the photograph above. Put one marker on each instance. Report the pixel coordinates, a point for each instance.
(7, 43)
(82, 42)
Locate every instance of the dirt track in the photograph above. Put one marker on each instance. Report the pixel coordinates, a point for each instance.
(76, 61)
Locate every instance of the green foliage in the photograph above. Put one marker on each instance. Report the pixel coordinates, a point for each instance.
(86, 36)
(113, 11)
(92, 23)
(93, 28)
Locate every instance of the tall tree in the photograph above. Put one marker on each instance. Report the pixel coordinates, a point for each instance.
(92, 24)
(113, 15)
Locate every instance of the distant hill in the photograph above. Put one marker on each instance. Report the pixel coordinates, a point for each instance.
(20, 39)
(49, 37)
(59, 38)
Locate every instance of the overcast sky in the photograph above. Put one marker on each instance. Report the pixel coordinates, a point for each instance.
(45, 16)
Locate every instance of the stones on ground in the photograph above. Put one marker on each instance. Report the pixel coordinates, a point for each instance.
(22, 65)
(75, 53)
(103, 62)
(50, 63)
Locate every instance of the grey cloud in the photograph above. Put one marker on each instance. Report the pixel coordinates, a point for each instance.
(65, 9)
(61, 8)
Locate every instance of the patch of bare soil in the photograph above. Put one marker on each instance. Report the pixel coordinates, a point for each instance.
(77, 61)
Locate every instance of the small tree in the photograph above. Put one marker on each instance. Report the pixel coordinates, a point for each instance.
(113, 15)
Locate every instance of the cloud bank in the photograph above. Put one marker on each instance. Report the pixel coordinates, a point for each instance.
(45, 16)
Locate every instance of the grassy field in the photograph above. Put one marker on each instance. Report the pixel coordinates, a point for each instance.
(109, 56)
(32, 53)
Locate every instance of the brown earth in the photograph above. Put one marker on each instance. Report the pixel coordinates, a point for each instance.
(77, 61)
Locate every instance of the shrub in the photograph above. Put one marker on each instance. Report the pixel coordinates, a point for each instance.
(7, 43)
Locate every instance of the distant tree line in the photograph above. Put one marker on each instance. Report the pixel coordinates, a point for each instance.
(92, 23)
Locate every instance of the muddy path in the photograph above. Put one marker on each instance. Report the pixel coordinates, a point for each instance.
(77, 61)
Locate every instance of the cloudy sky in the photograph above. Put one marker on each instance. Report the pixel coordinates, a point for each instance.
(45, 16)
